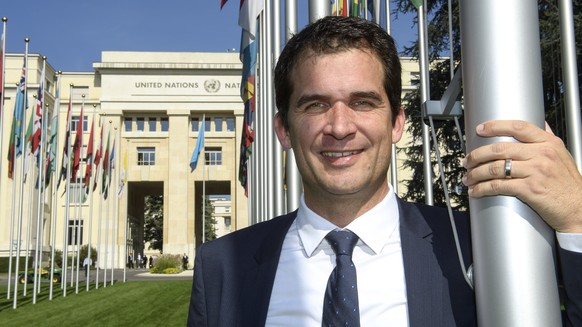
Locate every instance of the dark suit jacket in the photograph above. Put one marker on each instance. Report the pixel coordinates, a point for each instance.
(234, 275)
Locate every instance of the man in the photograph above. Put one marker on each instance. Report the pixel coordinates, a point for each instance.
(338, 91)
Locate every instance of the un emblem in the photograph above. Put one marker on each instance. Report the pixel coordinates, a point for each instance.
(212, 85)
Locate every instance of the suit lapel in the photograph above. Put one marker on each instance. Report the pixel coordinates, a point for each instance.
(425, 285)
(258, 280)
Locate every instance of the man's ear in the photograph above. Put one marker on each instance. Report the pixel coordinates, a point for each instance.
(282, 132)
(398, 128)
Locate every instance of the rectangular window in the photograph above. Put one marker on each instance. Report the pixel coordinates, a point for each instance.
(164, 124)
(75, 123)
(75, 228)
(230, 124)
(151, 124)
(195, 124)
(139, 122)
(213, 156)
(218, 124)
(127, 124)
(207, 125)
(76, 189)
(146, 156)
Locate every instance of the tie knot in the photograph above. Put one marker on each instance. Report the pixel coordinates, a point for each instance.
(342, 241)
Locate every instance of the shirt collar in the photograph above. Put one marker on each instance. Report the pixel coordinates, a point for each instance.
(373, 228)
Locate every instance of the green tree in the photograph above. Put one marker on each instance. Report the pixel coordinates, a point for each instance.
(84, 251)
(209, 221)
(447, 133)
(154, 221)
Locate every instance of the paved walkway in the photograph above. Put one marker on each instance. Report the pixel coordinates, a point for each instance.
(130, 275)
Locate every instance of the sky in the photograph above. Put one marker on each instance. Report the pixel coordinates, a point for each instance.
(72, 33)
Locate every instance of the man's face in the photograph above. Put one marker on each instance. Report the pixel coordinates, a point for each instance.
(340, 127)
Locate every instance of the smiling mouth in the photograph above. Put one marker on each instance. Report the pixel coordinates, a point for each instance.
(339, 154)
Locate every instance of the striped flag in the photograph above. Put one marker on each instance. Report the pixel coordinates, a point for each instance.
(105, 169)
(15, 146)
(51, 162)
(247, 19)
(37, 126)
(66, 150)
(98, 155)
(28, 146)
(89, 160)
(77, 145)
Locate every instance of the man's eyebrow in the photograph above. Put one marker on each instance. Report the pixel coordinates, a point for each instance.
(308, 98)
(367, 95)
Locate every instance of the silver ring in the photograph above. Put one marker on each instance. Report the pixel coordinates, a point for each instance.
(507, 168)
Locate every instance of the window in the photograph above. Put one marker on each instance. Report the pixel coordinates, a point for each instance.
(151, 124)
(227, 222)
(127, 124)
(230, 124)
(76, 189)
(74, 227)
(207, 125)
(194, 124)
(140, 124)
(213, 156)
(218, 124)
(164, 124)
(75, 123)
(146, 156)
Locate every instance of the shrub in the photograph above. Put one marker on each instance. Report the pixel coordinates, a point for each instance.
(166, 261)
(170, 271)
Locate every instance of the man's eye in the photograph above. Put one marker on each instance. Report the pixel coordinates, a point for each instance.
(314, 105)
(362, 104)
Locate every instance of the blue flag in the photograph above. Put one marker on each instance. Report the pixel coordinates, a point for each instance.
(199, 146)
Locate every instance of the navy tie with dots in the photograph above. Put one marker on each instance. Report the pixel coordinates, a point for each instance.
(340, 304)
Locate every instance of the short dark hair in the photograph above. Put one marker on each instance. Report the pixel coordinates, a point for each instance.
(336, 34)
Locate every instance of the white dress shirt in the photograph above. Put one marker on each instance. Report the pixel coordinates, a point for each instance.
(307, 260)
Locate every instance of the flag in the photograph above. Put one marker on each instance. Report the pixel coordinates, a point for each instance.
(51, 153)
(416, 3)
(199, 146)
(15, 146)
(28, 147)
(111, 164)
(37, 126)
(122, 174)
(98, 155)
(77, 147)
(339, 8)
(89, 161)
(247, 16)
(249, 60)
(105, 169)
(356, 9)
(66, 153)
(222, 3)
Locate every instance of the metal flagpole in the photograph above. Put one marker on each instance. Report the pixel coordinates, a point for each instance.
(115, 222)
(54, 207)
(2, 109)
(570, 72)
(293, 178)
(107, 217)
(203, 184)
(278, 166)
(393, 157)
(126, 211)
(39, 209)
(67, 195)
(29, 220)
(79, 218)
(99, 250)
(425, 96)
(19, 227)
(513, 248)
(42, 183)
(90, 195)
(10, 241)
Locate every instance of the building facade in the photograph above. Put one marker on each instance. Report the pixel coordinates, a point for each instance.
(150, 108)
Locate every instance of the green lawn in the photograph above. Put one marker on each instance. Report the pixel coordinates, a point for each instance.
(148, 303)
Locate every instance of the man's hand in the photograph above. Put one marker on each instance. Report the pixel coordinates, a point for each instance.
(543, 173)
